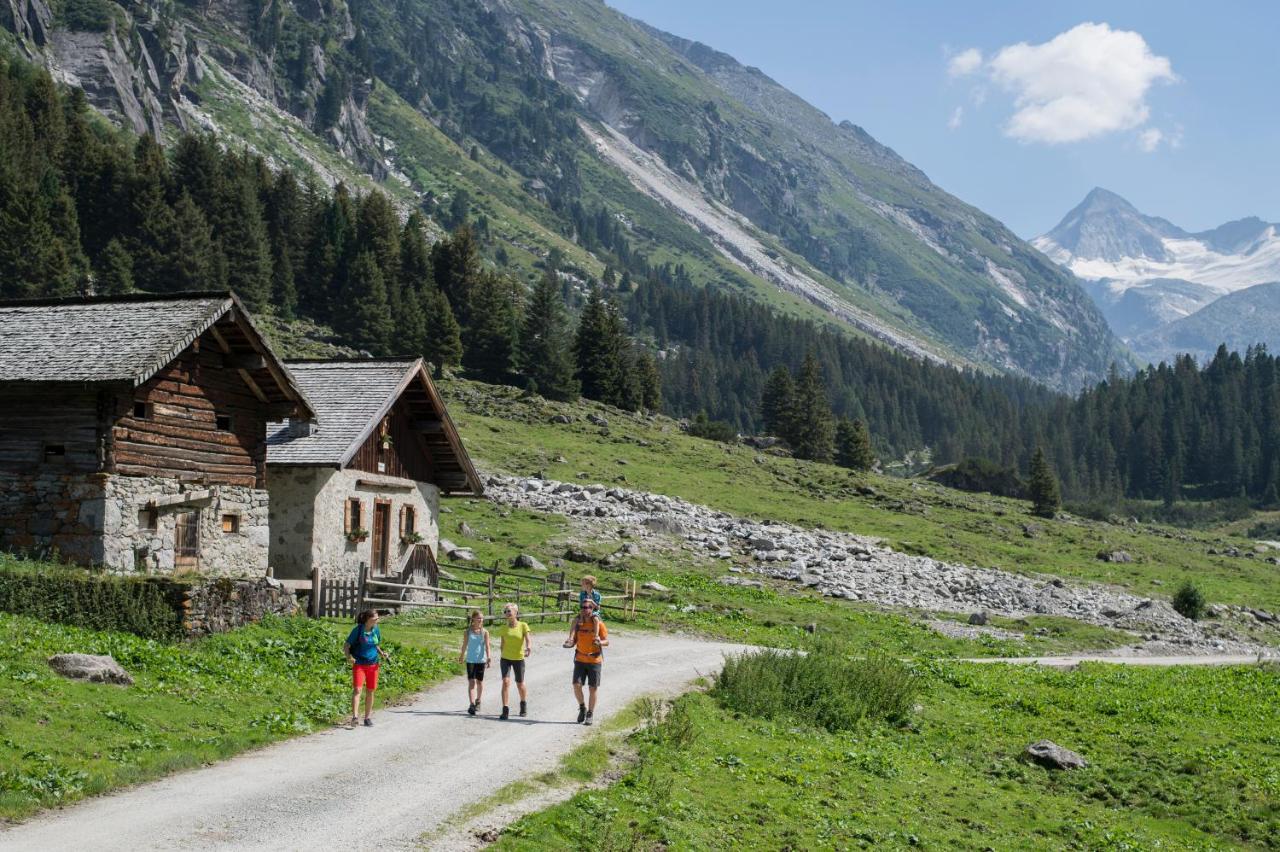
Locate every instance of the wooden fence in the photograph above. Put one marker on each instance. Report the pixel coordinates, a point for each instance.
(451, 590)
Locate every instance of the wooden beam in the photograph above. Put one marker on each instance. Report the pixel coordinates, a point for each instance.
(253, 386)
(244, 360)
(222, 341)
(430, 427)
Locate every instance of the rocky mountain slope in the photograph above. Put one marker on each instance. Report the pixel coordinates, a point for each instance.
(1238, 320)
(1146, 273)
(565, 125)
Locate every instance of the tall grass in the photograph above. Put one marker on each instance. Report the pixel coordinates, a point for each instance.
(823, 686)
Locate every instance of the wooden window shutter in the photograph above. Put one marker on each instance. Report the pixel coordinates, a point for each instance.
(402, 510)
(346, 516)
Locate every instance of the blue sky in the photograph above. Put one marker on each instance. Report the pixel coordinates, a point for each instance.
(1198, 85)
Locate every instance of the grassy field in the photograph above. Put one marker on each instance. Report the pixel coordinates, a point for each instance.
(507, 433)
(1179, 759)
(191, 703)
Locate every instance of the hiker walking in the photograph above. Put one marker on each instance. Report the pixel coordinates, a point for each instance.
(588, 593)
(363, 650)
(476, 653)
(590, 638)
(515, 647)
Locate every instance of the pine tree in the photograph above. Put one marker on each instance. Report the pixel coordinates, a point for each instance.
(113, 273)
(853, 445)
(443, 344)
(415, 254)
(490, 341)
(545, 354)
(812, 429)
(371, 326)
(456, 269)
(242, 235)
(777, 403)
(1042, 486)
(196, 262)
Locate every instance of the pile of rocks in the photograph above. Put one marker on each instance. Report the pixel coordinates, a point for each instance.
(845, 565)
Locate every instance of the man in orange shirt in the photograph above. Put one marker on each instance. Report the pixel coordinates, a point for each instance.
(591, 637)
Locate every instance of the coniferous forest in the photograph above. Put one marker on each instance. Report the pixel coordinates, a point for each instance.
(85, 209)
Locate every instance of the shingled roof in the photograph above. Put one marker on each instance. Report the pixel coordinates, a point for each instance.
(130, 338)
(351, 397)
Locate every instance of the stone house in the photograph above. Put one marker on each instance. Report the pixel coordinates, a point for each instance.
(362, 485)
(133, 431)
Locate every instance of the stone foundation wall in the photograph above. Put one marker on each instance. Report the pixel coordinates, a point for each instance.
(52, 515)
(101, 519)
(128, 544)
(222, 604)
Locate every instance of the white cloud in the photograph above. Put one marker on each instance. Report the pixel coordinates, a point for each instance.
(1086, 82)
(957, 116)
(965, 62)
(1150, 139)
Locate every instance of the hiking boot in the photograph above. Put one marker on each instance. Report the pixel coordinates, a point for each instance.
(524, 708)
(506, 713)
(587, 721)
(352, 722)
(368, 723)
(582, 713)
(471, 709)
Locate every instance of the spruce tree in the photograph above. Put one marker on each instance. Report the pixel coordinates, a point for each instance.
(545, 348)
(853, 445)
(242, 235)
(456, 269)
(443, 343)
(777, 403)
(370, 324)
(489, 342)
(812, 429)
(650, 382)
(598, 351)
(196, 263)
(1042, 486)
(113, 273)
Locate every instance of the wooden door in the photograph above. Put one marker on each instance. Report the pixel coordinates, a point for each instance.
(381, 536)
(186, 541)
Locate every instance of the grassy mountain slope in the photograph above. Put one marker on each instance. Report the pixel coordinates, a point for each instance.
(569, 127)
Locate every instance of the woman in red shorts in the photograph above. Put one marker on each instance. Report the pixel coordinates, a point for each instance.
(363, 649)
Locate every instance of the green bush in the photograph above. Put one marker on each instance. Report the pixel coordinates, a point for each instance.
(823, 686)
(85, 15)
(139, 605)
(1188, 601)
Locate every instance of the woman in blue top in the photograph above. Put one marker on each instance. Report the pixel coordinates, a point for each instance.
(363, 650)
(475, 653)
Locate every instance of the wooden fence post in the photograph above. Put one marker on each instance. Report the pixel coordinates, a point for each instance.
(493, 577)
(316, 609)
(364, 569)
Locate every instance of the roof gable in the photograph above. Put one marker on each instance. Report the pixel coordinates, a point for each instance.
(351, 398)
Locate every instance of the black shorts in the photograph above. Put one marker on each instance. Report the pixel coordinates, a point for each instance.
(588, 673)
(475, 671)
(516, 666)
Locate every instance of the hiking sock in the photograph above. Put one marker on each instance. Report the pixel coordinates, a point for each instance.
(524, 708)
(506, 712)
(582, 713)
(587, 721)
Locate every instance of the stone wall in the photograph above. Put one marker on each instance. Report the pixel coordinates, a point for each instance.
(339, 557)
(128, 544)
(101, 519)
(221, 604)
(52, 515)
(293, 509)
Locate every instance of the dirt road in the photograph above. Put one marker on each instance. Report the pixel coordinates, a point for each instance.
(381, 787)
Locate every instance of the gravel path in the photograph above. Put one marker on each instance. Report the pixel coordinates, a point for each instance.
(382, 787)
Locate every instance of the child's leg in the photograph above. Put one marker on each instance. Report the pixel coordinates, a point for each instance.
(506, 691)
(471, 690)
(524, 692)
(479, 690)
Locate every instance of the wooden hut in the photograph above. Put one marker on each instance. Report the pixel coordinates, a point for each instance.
(133, 431)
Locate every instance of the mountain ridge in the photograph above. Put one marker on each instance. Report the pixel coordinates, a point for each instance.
(499, 110)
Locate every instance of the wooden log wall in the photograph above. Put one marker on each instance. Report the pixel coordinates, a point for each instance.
(179, 435)
(35, 416)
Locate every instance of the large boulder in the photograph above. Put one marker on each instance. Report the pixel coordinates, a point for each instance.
(1050, 755)
(1118, 556)
(524, 560)
(90, 667)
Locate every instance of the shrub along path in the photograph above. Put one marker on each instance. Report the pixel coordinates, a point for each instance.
(387, 785)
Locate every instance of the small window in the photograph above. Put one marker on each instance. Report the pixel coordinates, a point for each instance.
(231, 523)
(55, 453)
(353, 519)
(408, 521)
(141, 410)
(223, 422)
(148, 518)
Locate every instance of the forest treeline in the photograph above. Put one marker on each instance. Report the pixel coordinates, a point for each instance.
(84, 209)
